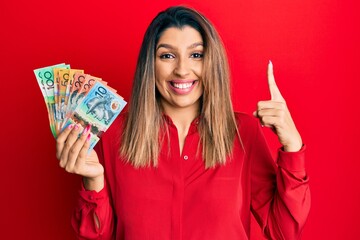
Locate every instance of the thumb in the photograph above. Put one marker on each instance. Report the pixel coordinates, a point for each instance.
(274, 90)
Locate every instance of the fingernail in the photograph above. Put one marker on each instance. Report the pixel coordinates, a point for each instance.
(88, 137)
(86, 130)
(71, 126)
(76, 127)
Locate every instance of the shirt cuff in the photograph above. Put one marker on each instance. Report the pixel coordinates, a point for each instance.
(92, 196)
(292, 161)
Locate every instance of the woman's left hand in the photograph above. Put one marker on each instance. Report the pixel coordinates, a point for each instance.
(275, 114)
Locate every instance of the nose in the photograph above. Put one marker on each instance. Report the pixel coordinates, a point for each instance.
(182, 68)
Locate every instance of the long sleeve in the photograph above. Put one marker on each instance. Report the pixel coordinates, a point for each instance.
(280, 195)
(93, 217)
(93, 205)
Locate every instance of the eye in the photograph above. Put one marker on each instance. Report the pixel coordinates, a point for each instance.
(166, 56)
(197, 55)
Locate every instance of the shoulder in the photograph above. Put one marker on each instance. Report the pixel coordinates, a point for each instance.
(119, 121)
(248, 127)
(245, 120)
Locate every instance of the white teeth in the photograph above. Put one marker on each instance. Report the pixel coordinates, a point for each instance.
(182, 85)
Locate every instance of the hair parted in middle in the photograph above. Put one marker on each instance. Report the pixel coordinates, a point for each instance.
(217, 127)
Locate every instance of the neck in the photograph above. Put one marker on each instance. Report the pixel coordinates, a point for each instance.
(182, 117)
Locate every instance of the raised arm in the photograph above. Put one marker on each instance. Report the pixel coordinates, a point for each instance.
(275, 114)
(280, 190)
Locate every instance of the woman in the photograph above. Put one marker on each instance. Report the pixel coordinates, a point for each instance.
(181, 164)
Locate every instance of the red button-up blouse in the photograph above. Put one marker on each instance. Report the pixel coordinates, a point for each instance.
(181, 200)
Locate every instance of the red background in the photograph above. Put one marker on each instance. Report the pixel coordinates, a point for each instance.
(314, 46)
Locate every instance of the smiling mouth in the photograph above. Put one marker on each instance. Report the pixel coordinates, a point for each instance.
(184, 85)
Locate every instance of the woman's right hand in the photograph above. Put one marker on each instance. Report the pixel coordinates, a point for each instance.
(72, 153)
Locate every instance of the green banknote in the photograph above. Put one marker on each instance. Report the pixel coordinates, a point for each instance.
(45, 79)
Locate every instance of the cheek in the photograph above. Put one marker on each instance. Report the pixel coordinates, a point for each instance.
(160, 86)
(157, 84)
(159, 69)
(201, 89)
(198, 69)
(163, 69)
(162, 73)
(157, 76)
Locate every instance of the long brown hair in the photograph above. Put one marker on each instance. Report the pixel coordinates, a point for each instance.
(217, 127)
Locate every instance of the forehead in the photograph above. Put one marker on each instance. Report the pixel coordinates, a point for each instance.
(180, 36)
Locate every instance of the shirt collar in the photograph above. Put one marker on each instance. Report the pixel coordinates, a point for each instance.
(193, 125)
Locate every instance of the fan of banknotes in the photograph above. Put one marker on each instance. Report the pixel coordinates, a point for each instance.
(71, 96)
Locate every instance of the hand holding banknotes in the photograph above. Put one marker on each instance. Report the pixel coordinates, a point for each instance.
(72, 152)
(80, 108)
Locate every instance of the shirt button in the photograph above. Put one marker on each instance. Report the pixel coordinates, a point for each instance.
(186, 157)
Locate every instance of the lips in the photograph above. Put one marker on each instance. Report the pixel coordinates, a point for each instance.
(182, 87)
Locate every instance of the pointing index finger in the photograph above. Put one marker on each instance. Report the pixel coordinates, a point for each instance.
(274, 90)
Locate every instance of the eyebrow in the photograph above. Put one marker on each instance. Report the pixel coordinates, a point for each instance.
(165, 45)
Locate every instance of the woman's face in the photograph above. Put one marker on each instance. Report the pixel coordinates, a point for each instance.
(178, 68)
